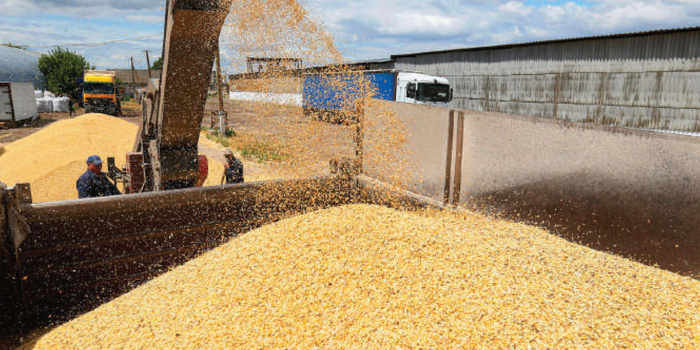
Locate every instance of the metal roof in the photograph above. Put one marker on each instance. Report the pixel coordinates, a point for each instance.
(554, 41)
(377, 60)
(17, 65)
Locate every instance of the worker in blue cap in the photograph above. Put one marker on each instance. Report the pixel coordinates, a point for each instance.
(94, 183)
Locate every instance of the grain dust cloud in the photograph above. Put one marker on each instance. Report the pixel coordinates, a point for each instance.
(277, 44)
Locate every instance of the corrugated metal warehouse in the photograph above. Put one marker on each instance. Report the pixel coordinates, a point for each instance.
(646, 80)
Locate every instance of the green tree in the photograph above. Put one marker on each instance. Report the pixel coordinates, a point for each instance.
(61, 68)
(157, 64)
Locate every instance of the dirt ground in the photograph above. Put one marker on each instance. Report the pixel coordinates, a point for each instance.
(273, 142)
(280, 142)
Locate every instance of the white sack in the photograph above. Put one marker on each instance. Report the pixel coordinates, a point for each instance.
(60, 104)
(44, 105)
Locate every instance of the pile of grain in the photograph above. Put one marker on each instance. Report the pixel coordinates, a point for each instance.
(367, 277)
(52, 159)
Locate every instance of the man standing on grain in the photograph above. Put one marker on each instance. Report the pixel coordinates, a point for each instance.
(234, 169)
(94, 183)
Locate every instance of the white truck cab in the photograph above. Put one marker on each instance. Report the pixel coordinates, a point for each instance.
(423, 89)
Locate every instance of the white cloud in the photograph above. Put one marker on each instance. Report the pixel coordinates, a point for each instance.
(418, 24)
(414, 26)
(132, 5)
(515, 8)
(17, 7)
(364, 29)
(145, 18)
(629, 13)
(86, 9)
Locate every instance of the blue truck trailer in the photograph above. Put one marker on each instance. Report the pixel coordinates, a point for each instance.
(336, 95)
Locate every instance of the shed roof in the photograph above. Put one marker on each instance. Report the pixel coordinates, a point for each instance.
(554, 41)
(20, 66)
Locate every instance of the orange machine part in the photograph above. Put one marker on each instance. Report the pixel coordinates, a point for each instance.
(134, 167)
(203, 170)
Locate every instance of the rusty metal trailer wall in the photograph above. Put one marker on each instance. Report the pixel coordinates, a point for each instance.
(635, 193)
(68, 257)
(647, 80)
(632, 192)
(75, 255)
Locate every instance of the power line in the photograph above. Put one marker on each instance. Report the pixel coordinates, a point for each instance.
(92, 44)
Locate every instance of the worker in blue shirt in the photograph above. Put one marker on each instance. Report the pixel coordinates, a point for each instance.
(94, 183)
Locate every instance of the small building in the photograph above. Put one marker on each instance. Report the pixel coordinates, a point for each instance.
(137, 79)
(270, 64)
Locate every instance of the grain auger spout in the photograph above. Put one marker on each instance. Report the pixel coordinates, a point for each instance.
(165, 155)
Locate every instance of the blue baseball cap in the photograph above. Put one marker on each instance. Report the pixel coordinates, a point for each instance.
(94, 160)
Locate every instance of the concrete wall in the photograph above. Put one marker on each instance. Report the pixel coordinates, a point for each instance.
(648, 81)
(632, 192)
(269, 97)
(279, 85)
(284, 90)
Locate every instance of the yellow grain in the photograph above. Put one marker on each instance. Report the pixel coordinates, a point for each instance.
(368, 277)
(52, 159)
(64, 142)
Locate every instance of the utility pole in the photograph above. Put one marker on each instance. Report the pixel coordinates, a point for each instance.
(148, 62)
(218, 81)
(133, 77)
(223, 122)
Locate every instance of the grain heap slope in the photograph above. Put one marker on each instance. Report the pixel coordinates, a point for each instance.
(52, 159)
(63, 142)
(368, 277)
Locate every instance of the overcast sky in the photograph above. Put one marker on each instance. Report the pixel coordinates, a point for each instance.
(363, 29)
